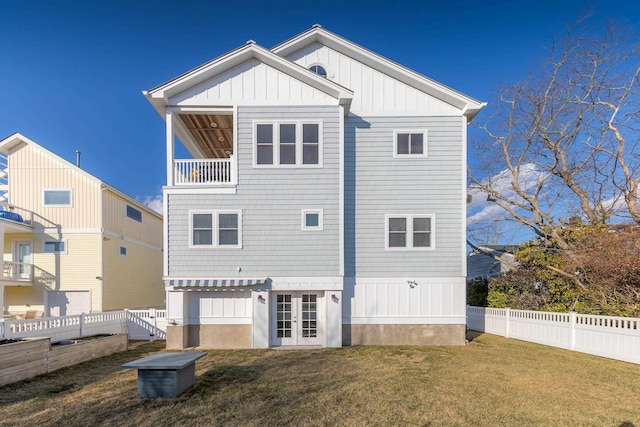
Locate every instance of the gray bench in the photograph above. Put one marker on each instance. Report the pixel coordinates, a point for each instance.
(165, 374)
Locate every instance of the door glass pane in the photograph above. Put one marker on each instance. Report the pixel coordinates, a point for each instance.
(309, 327)
(283, 314)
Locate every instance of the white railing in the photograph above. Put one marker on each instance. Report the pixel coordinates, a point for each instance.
(149, 324)
(613, 337)
(17, 270)
(203, 171)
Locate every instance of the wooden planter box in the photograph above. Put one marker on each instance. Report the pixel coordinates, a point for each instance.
(35, 356)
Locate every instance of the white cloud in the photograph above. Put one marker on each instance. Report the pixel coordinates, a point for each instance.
(153, 202)
(481, 210)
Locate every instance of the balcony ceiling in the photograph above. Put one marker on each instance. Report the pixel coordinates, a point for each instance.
(212, 132)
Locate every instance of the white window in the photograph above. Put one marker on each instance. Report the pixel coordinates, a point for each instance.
(216, 229)
(312, 219)
(288, 144)
(54, 247)
(410, 143)
(134, 214)
(319, 70)
(56, 197)
(413, 232)
(123, 250)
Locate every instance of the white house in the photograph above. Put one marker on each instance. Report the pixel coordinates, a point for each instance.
(323, 203)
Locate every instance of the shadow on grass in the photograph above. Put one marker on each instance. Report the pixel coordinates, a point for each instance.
(72, 378)
(222, 377)
(472, 335)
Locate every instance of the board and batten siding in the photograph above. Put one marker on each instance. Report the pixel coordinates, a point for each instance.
(383, 301)
(32, 170)
(375, 93)
(114, 208)
(271, 200)
(376, 184)
(216, 308)
(251, 82)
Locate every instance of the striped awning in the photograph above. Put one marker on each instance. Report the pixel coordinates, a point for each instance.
(215, 283)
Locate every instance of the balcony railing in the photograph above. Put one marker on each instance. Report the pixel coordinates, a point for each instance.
(17, 271)
(203, 171)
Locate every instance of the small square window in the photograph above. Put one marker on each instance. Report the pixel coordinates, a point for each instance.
(410, 143)
(312, 220)
(123, 250)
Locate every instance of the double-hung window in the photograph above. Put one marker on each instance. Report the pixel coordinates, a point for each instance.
(412, 143)
(216, 229)
(409, 232)
(288, 143)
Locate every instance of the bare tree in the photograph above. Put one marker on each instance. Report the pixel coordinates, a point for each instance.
(564, 143)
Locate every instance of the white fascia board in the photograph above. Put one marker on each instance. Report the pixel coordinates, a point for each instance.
(468, 106)
(159, 96)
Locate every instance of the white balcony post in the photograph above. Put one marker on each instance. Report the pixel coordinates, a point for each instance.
(170, 148)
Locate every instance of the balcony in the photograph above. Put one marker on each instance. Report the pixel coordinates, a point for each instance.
(17, 273)
(205, 172)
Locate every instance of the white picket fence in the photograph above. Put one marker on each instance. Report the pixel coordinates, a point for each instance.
(613, 337)
(148, 324)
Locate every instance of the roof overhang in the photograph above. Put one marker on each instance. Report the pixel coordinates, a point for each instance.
(467, 105)
(161, 95)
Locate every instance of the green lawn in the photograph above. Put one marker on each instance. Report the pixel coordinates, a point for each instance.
(492, 381)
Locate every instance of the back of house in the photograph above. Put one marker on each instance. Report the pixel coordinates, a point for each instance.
(323, 203)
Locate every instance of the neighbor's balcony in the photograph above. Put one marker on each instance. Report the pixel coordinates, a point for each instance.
(206, 172)
(19, 272)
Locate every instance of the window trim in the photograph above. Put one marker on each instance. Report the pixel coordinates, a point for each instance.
(409, 238)
(299, 145)
(69, 205)
(126, 212)
(126, 250)
(303, 224)
(215, 229)
(425, 139)
(63, 241)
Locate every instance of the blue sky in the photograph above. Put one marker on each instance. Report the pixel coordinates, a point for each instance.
(71, 72)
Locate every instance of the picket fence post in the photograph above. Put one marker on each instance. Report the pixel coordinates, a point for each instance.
(572, 330)
(507, 315)
(81, 323)
(152, 313)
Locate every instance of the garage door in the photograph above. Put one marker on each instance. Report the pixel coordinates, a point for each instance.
(68, 303)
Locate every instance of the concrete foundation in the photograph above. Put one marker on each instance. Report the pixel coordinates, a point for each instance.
(403, 334)
(209, 336)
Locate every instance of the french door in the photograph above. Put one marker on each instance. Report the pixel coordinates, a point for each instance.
(296, 319)
(22, 258)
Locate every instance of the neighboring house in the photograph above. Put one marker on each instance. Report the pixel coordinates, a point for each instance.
(72, 243)
(489, 261)
(324, 203)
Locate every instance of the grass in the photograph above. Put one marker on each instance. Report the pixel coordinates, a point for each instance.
(493, 381)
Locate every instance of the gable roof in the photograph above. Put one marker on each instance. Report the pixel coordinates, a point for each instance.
(159, 96)
(17, 140)
(469, 106)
